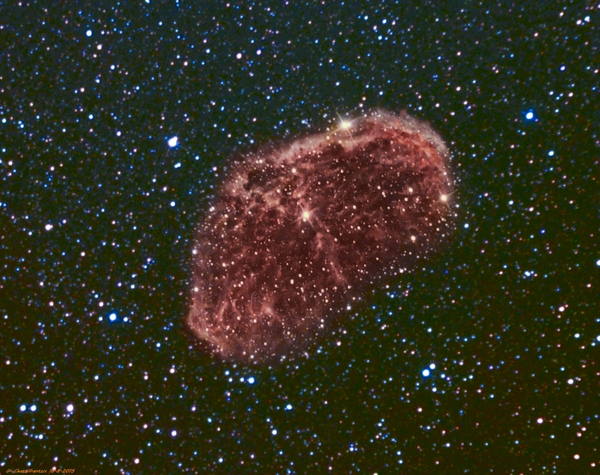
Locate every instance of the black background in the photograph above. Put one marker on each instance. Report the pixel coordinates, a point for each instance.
(97, 216)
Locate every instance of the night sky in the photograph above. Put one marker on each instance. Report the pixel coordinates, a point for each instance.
(116, 122)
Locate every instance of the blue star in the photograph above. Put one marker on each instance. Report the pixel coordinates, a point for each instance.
(530, 115)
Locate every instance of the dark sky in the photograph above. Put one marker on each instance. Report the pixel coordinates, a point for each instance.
(482, 359)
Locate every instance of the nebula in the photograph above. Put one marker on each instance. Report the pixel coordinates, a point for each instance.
(296, 233)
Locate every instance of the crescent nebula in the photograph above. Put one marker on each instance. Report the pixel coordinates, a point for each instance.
(295, 234)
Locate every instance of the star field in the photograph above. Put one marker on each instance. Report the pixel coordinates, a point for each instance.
(116, 123)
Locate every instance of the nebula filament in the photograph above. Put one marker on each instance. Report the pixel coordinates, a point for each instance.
(294, 234)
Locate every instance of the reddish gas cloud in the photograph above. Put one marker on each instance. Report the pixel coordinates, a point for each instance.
(294, 235)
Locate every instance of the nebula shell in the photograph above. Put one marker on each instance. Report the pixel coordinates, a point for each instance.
(295, 234)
